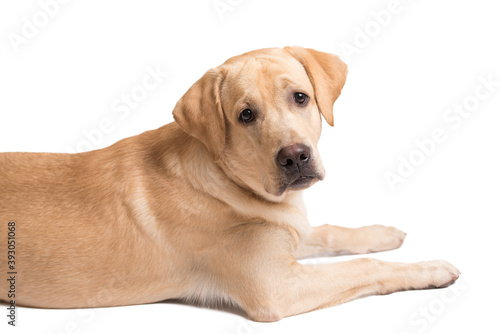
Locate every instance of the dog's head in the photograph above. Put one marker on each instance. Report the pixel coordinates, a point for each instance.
(259, 116)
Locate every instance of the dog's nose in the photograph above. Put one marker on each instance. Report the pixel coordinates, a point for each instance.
(290, 157)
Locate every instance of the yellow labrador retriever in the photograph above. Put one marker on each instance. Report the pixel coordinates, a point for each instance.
(205, 209)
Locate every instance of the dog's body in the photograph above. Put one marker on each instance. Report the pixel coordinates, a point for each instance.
(207, 208)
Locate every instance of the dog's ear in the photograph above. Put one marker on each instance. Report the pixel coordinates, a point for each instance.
(327, 74)
(199, 112)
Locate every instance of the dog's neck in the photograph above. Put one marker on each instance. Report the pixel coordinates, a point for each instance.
(176, 151)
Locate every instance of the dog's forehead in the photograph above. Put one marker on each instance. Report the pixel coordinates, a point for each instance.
(263, 71)
(259, 64)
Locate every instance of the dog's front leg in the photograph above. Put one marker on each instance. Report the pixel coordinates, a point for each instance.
(330, 240)
(304, 288)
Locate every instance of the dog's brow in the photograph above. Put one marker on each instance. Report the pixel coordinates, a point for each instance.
(244, 99)
(285, 80)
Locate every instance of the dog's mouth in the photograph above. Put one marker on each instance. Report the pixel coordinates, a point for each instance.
(302, 182)
(299, 181)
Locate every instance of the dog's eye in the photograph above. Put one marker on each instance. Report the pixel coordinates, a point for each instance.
(246, 116)
(301, 98)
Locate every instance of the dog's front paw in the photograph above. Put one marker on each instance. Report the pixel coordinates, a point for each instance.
(378, 238)
(437, 274)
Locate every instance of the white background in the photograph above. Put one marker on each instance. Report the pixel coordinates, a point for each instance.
(427, 58)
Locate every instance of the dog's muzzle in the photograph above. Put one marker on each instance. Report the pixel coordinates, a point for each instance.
(298, 171)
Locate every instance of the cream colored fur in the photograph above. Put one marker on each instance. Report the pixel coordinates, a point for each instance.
(194, 209)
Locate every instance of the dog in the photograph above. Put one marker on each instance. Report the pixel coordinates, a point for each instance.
(206, 209)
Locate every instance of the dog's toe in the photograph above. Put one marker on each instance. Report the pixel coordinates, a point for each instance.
(383, 238)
